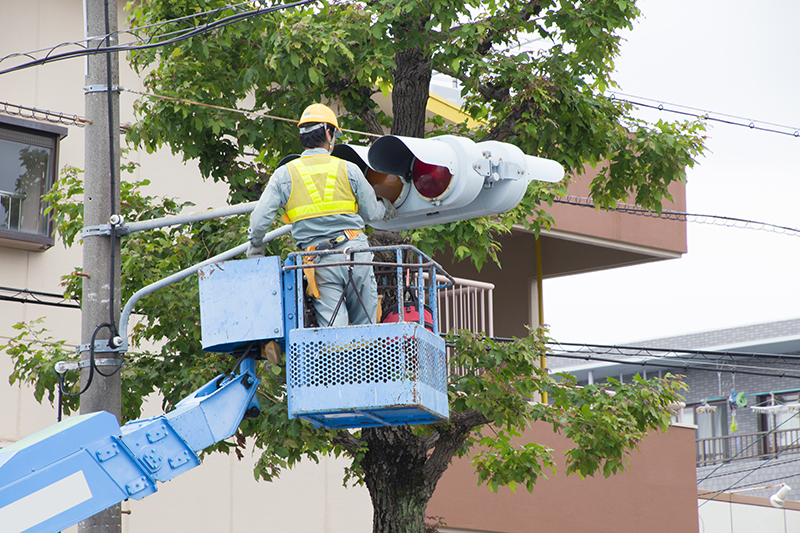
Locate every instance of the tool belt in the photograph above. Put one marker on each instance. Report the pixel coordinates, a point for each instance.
(346, 235)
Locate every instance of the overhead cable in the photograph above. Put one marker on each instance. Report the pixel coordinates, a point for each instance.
(246, 112)
(773, 430)
(679, 364)
(706, 115)
(26, 296)
(759, 467)
(663, 358)
(716, 220)
(636, 351)
(141, 43)
(776, 464)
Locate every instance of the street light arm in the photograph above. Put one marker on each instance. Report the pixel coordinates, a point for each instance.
(179, 276)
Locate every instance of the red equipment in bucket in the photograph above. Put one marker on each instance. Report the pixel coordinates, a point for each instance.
(410, 312)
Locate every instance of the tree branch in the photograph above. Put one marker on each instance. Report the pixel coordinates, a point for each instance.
(507, 127)
(370, 119)
(431, 441)
(498, 25)
(489, 92)
(447, 443)
(346, 440)
(469, 419)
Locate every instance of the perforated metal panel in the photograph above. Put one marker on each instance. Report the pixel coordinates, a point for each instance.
(362, 376)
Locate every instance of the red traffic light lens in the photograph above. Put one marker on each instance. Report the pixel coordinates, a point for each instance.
(431, 181)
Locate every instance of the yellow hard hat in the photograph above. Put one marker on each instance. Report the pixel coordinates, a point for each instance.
(318, 113)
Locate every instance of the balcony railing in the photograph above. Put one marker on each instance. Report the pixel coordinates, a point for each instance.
(467, 305)
(747, 446)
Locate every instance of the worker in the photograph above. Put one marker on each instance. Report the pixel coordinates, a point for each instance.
(328, 201)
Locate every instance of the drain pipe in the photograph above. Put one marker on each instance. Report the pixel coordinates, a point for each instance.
(540, 298)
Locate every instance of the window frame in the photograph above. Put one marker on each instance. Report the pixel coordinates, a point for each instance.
(48, 136)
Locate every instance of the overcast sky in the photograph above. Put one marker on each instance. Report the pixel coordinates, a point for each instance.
(727, 57)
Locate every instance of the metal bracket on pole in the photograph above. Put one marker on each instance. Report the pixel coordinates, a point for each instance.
(116, 221)
(502, 170)
(100, 88)
(64, 366)
(496, 169)
(103, 230)
(103, 346)
(96, 231)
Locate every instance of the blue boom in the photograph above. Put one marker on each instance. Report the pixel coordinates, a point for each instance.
(353, 376)
(70, 471)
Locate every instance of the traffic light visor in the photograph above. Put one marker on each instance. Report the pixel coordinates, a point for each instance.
(393, 154)
(386, 185)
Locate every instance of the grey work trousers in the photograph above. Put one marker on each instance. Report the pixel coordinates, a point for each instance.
(331, 281)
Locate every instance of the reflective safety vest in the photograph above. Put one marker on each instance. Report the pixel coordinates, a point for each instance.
(319, 188)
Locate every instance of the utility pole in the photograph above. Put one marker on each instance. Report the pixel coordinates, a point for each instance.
(101, 258)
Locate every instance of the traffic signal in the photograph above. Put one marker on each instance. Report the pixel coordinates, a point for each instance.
(447, 178)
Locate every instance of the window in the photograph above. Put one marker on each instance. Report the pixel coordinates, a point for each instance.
(28, 166)
(783, 422)
(712, 423)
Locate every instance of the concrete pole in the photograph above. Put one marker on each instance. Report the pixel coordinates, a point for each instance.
(101, 258)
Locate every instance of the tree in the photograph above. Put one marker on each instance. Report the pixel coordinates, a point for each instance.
(548, 102)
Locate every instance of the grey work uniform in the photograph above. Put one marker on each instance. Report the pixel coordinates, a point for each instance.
(313, 231)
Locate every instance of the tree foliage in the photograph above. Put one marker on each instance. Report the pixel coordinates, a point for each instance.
(548, 101)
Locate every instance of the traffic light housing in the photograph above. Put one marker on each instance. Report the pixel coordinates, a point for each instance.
(446, 178)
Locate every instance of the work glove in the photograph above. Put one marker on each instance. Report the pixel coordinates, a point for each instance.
(255, 251)
(389, 210)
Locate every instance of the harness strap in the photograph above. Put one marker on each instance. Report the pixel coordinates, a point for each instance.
(311, 276)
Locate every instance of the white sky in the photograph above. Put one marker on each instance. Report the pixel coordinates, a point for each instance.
(727, 57)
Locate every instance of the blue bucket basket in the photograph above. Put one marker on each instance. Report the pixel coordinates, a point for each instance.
(369, 375)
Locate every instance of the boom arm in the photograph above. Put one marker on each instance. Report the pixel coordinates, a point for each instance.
(70, 471)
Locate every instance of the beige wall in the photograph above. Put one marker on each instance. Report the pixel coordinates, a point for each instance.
(658, 493)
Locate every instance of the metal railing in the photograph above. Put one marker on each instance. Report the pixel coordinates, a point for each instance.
(763, 444)
(11, 210)
(468, 304)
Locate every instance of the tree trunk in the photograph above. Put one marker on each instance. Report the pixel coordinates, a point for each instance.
(396, 479)
(412, 81)
(401, 470)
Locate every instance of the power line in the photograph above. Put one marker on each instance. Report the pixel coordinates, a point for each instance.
(146, 43)
(662, 352)
(731, 473)
(679, 364)
(246, 112)
(666, 214)
(770, 480)
(85, 43)
(701, 360)
(759, 467)
(773, 430)
(732, 120)
(26, 296)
